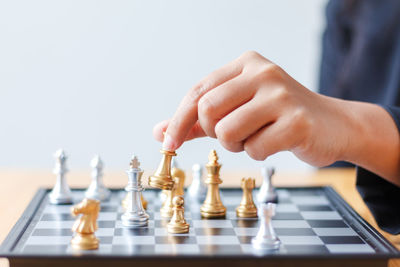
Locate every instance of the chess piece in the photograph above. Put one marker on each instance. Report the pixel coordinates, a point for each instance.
(61, 194)
(267, 192)
(135, 215)
(86, 225)
(266, 238)
(175, 171)
(162, 177)
(96, 189)
(212, 206)
(197, 189)
(247, 209)
(128, 196)
(177, 224)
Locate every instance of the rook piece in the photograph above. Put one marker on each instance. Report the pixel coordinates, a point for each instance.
(178, 176)
(61, 194)
(212, 206)
(86, 225)
(266, 238)
(197, 189)
(247, 209)
(162, 177)
(96, 189)
(267, 192)
(178, 225)
(135, 215)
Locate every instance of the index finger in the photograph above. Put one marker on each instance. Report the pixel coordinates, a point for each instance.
(186, 115)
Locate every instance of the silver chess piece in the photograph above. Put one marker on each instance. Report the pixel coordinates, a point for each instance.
(266, 238)
(197, 189)
(267, 192)
(96, 189)
(61, 194)
(135, 215)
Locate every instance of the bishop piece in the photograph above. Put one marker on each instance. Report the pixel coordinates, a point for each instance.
(266, 238)
(135, 215)
(247, 209)
(197, 190)
(267, 192)
(212, 206)
(61, 194)
(177, 224)
(86, 225)
(162, 177)
(96, 189)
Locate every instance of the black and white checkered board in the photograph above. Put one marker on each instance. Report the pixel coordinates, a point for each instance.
(309, 222)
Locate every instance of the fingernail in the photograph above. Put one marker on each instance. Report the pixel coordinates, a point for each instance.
(168, 143)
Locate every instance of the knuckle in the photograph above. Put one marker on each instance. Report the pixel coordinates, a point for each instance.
(301, 121)
(232, 147)
(270, 70)
(224, 134)
(196, 92)
(205, 107)
(250, 54)
(255, 152)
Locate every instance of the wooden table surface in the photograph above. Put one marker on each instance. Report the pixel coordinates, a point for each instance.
(18, 187)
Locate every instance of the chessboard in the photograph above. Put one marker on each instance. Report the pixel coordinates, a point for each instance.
(315, 225)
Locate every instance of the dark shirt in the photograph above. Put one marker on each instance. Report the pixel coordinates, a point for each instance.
(361, 61)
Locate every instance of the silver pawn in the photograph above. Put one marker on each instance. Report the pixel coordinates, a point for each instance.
(197, 189)
(267, 192)
(266, 238)
(135, 215)
(96, 189)
(61, 194)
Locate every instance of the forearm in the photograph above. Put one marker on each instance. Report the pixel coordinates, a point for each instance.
(373, 140)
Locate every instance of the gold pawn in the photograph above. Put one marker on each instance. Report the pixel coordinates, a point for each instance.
(178, 224)
(178, 176)
(247, 208)
(127, 197)
(162, 177)
(212, 206)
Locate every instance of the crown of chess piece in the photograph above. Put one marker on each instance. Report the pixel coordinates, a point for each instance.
(267, 192)
(247, 208)
(134, 215)
(178, 176)
(96, 189)
(162, 178)
(61, 193)
(266, 238)
(197, 190)
(178, 224)
(212, 206)
(86, 225)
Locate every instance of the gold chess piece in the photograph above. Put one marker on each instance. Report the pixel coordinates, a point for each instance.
(162, 178)
(212, 206)
(86, 225)
(178, 177)
(175, 172)
(247, 208)
(178, 224)
(127, 197)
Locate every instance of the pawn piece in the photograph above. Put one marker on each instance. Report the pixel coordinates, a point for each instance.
(212, 206)
(162, 177)
(86, 225)
(247, 209)
(61, 194)
(267, 192)
(177, 224)
(96, 189)
(197, 189)
(266, 238)
(135, 215)
(128, 196)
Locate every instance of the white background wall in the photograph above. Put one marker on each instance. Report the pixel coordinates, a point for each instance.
(95, 76)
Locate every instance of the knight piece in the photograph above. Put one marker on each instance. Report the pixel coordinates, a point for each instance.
(96, 189)
(267, 192)
(162, 178)
(212, 206)
(86, 225)
(197, 190)
(61, 194)
(135, 215)
(247, 209)
(266, 238)
(177, 224)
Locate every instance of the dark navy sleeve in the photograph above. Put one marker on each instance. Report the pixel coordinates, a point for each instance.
(381, 196)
